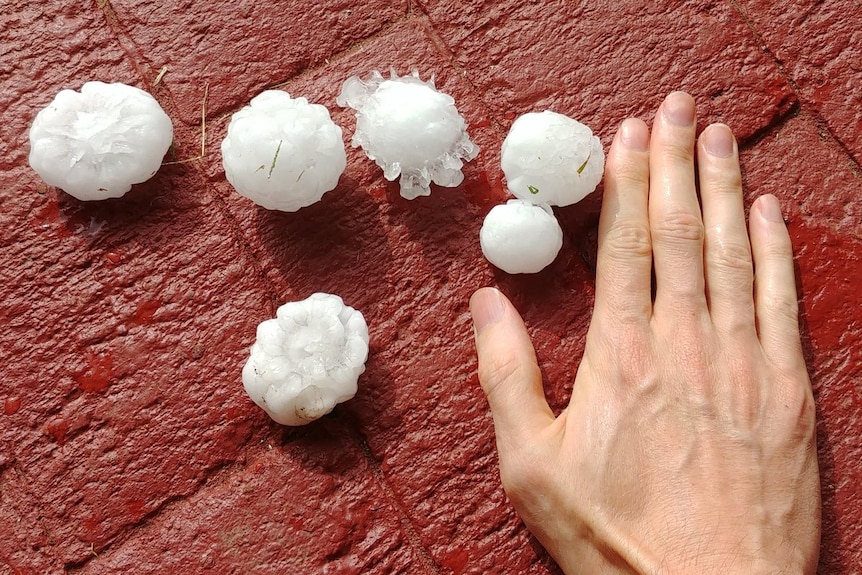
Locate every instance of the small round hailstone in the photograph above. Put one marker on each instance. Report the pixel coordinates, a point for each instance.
(307, 359)
(520, 237)
(94, 144)
(410, 130)
(549, 158)
(283, 153)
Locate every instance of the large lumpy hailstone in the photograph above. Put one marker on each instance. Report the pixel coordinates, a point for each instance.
(283, 153)
(549, 158)
(409, 129)
(520, 237)
(307, 359)
(94, 144)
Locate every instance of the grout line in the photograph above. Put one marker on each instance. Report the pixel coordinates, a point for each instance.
(198, 166)
(414, 12)
(407, 525)
(125, 41)
(210, 476)
(774, 125)
(120, 539)
(446, 50)
(340, 55)
(241, 243)
(199, 162)
(802, 103)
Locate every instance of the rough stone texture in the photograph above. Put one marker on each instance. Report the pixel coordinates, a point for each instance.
(586, 59)
(126, 441)
(239, 49)
(816, 43)
(304, 506)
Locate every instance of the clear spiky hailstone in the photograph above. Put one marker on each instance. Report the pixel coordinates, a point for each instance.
(283, 153)
(520, 237)
(409, 129)
(94, 144)
(549, 158)
(306, 360)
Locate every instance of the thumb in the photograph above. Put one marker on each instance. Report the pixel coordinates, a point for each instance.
(508, 371)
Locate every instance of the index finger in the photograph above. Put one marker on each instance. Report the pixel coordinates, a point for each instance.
(623, 270)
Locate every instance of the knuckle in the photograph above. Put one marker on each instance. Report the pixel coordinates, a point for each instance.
(628, 239)
(722, 182)
(500, 369)
(734, 314)
(630, 181)
(807, 415)
(678, 226)
(806, 412)
(731, 256)
(631, 317)
(799, 412)
(627, 172)
(782, 307)
(779, 250)
(675, 154)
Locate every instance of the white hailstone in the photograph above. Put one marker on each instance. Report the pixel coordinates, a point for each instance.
(307, 359)
(283, 153)
(520, 237)
(94, 144)
(549, 158)
(410, 130)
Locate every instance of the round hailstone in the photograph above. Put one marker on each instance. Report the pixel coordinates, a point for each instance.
(283, 153)
(307, 359)
(94, 144)
(551, 159)
(520, 237)
(410, 130)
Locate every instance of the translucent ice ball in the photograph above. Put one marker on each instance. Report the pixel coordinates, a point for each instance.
(549, 158)
(410, 130)
(94, 144)
(520, 237)
(283, 153)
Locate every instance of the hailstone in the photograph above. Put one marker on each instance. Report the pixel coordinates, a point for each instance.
(283, 153)
(409, 129)
(549, 158)
(94, 144)
(520, 237)
(306, 360)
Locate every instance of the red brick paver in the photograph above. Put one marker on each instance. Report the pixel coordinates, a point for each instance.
(126, 441)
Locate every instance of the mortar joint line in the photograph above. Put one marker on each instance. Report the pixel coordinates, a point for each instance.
(819, 121)
(407, 525)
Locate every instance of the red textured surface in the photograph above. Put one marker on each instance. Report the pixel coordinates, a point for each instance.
(126, 441)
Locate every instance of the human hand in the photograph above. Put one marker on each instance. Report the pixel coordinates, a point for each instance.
(688, 444)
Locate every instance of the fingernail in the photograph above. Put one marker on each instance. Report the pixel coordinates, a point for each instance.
(718, 141)
(486, 307)
(634, 135)
(770, 209)
(678, 108)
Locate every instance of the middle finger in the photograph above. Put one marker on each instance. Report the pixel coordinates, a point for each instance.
(676, 226)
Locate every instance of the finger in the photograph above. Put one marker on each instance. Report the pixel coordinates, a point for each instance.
(727, 254)
(624, 263)
(776, 306)
(508, 370)
(676, 228)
